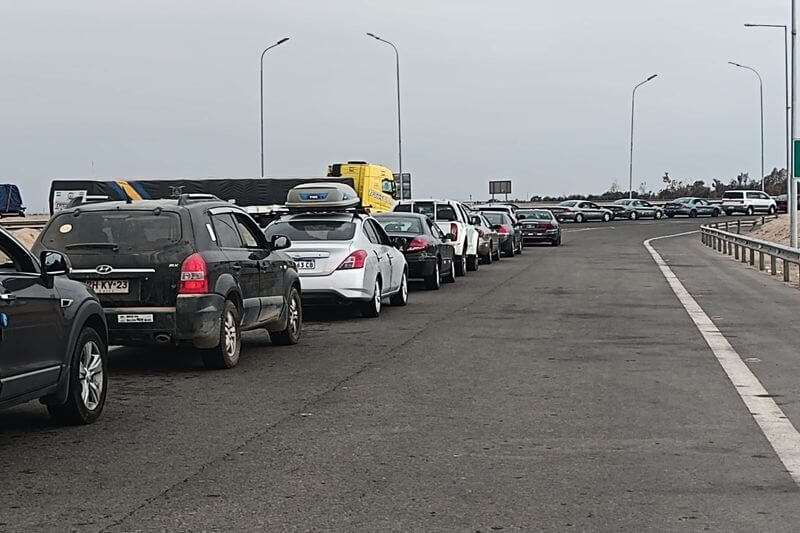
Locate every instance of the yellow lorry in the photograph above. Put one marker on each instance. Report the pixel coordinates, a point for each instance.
(374, 184)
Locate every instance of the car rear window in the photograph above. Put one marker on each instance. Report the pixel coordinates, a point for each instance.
(736, 195)
(495, 217)
(124, 230)
(313, 230)
(534, 215)
(410, 225)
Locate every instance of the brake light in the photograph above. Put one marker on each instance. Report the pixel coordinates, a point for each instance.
(417, 244)
(354, 261)
(684, 205)
(548, 226)
(481, 233)
(454, 230)
(194, 275)
(503, 230)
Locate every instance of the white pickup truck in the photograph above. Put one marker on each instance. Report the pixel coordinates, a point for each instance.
(451, 217)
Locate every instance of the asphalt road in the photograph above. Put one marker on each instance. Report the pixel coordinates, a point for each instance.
(563, 389)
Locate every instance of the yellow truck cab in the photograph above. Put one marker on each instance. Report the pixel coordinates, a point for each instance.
(374, 184)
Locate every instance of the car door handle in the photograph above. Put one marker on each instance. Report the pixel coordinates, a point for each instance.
(8, 297)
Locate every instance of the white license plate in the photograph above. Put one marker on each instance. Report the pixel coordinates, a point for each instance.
(135, 319)
(305, 264)
(109, 286)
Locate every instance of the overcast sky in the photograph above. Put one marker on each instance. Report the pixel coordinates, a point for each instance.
(534, 91)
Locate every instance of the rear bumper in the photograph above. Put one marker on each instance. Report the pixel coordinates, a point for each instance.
(679, 211)
(735, 208)
(195, 319)
(421, 266)
(340, 286)
(547, 235)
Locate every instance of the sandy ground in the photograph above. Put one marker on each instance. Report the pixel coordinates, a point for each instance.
(26, 236)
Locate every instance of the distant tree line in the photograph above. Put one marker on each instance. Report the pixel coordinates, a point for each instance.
(774, 184)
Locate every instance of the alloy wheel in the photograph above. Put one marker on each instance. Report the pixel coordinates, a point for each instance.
(91, 375)
(231, 335)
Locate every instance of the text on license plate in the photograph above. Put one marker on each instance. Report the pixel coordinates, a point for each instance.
(305, 264)
(135, 319)
(109, 286)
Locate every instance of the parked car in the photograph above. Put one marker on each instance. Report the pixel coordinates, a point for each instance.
(193, 270)
(509, 232)
(508, 209)
(488, 238)
(539, 225)
(634, 209)
(427, 250)
(451, 217)
(691, 207)
(581, 211)
(54, 336)
(748, 202)
(342, 254)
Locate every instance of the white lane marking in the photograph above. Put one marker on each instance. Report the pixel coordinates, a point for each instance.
(587, 229)
(778, 429)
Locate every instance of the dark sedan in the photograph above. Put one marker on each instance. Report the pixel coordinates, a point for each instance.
(488, 239)
(428, 251)
(539, 225)
(509, 232)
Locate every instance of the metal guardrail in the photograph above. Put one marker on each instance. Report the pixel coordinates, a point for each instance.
(20, 223)
(737, 245)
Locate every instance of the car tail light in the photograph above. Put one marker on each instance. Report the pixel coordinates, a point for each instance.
(354, 261)
(194, 275)
(481, 234)
(548, 226)
(417, 244)
(454, 230)
(503, 230)
(684, 205)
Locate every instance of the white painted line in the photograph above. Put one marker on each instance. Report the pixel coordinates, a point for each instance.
(780, 432)
(567, 230)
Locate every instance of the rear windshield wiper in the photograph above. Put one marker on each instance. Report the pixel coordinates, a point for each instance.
(112, 245)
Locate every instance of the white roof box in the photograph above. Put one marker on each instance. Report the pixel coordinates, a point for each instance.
(322, 197)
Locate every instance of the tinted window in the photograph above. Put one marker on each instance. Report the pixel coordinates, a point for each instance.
(754, 195)
(496, 218)
(446, 213)
(246, 230)
(403, 208)
(568, 203)
(734, 195)
(313, 230)
(130, 230)
(537, 215)
(409, 225)
(225, 228)
(371, 234)
(383, 238)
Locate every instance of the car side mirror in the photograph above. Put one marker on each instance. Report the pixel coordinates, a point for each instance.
(280, 242)
(449, 237)
(54, 263)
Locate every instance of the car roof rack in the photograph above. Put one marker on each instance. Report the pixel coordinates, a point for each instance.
(335, 198)
(190, 198)
(87, 199)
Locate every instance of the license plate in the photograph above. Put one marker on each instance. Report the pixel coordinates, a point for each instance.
(135, 319)
(109, 286)
(305, 264)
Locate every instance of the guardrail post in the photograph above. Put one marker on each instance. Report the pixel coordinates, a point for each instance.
(761, 260)
(738, 226)
(773, 265)
(726, 225)
(736, 251)
(730, 248)
(752, 256)
(744, 254)
(785, 270)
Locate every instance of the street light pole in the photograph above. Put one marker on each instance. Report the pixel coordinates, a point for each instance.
(788, 104)
(633, 112)
(761, 95)
(792, 183)
(261, 99)
(399, 121)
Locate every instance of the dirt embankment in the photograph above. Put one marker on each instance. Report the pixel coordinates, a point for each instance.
(774, 231)
(26, 236)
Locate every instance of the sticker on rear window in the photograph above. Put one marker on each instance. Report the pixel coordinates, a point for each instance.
(65, 228)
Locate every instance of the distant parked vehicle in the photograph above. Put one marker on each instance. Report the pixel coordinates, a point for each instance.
(539, 225)
(581, 211)
(510, 233)
(11, 201)
(427, 250)
(634, 209)
(488, 238)
(508, 209)
(748, 202)
(691, 207)
(54, 337)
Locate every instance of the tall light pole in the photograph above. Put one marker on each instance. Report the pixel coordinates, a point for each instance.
(788, 105)
(793, 196)
(761, 96)
(261, 98)
(633, 112)
(399, 122)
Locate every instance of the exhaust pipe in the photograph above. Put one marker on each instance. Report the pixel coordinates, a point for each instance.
(163, 338)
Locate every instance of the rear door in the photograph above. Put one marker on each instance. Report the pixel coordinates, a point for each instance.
(32, 325)
(397, 261)
(239, 263)
(379, 251)
(271, 290)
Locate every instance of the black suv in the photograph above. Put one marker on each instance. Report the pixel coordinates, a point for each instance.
(192, 270)
(53, 342)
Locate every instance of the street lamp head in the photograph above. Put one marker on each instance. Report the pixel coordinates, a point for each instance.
(373, 35)
(734, 64)
(282, 41)
(652, 77)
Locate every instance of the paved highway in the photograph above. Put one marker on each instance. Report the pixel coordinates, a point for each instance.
(566, 388)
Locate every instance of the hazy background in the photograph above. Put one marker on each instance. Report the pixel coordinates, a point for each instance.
(533, 91)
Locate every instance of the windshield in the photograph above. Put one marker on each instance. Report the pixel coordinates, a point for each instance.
(118, 230)
(624, 201)
(313, 230)
(683, 200)
(407, 225)
(733, 194)
(534, 215)
(569, 203)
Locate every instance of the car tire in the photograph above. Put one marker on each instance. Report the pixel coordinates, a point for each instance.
(606, 217)
(460, 263)
(634, 215)
(749, 212)
(498, 254)
(693, 213)
(715, 213)
(87, 373)
(509, 251)
(294, 322)
(489, 259)
(670, 215)
(226, 354)
(372, 308)
(521, 246)
(659, 215)
(579, 218)
(473, 263)
(728, 213)
(771, 210)
(451, 276)
(400, 299)
(556, 242)
(434, 281)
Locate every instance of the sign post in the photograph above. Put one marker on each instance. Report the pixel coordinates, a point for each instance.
(404, 183)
